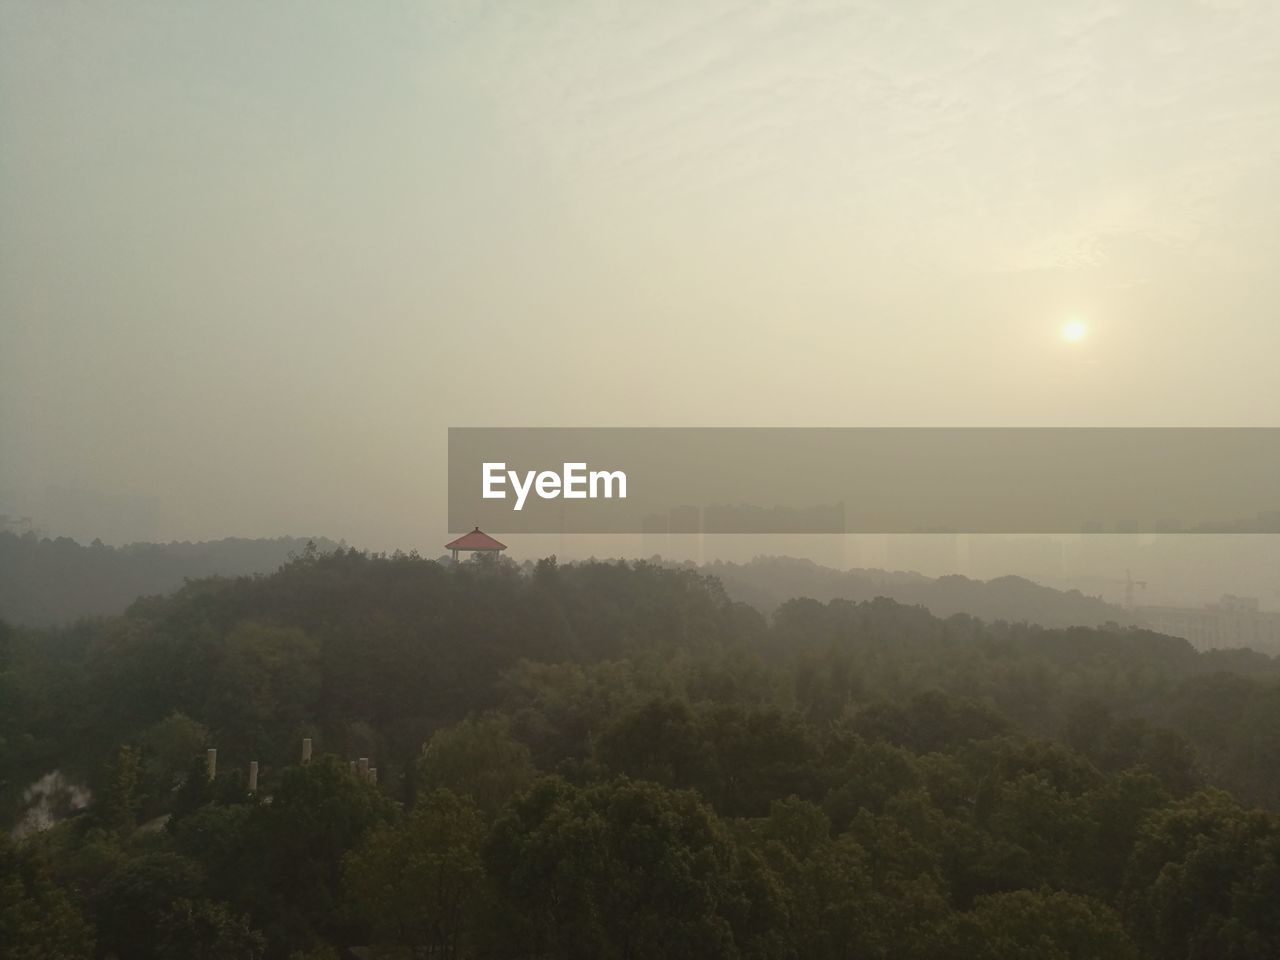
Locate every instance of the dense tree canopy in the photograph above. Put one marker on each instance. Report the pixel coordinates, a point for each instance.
(614, 760)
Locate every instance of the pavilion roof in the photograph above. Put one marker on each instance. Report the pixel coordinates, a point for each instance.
(475, 540)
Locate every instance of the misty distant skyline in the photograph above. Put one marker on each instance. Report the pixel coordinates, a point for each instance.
(256, 259)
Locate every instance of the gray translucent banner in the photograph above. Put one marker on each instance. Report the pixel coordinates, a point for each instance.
(864, 480)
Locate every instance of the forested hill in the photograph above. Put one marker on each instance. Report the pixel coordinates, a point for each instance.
(768, 581)
(44, 582)
(616, 760)
(47, 581)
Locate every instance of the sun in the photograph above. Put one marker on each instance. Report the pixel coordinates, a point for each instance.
(1073, 331)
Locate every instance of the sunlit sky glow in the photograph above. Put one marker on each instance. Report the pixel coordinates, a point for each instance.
(1073, 331)
(256, 258)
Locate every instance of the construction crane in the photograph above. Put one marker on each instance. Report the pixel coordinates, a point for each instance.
(1129, 584)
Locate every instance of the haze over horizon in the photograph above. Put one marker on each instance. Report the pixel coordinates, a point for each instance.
(255, 260)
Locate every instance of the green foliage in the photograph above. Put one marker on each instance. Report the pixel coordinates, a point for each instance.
(204, 930)
(1040, 925)
(46, 581)
(118, 806)
(267, 682)
(479, 759)
(931, 720)
(1124, 744)
(1203, 878)
(319, 951)
(132, 897)
(296, 844)
(38, 920)
(659, 740)
(169, 748)
(421, 885)
(618, 762)
(217, 837)
(619, 869)
(866, 775)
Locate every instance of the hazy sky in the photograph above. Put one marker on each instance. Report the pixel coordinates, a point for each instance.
(255, 258)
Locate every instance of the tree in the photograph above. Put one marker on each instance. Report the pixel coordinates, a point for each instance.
(760, 756)
(267, 683)
(1044, 925)
(118, 805)
(824, 884)
(477, 758)
(869, 773)
(168, 749)
(1202, 881)
(296, 845)
(205, 930)
(37, 919)
(1050, 825)
(659, 741)
(220, 838)
(135, 895)
(621, 869)
(1117, 811)
(421, 885)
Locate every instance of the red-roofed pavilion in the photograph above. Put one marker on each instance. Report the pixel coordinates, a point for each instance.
(476, 542)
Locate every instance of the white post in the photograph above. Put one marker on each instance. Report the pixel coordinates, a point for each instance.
(211, 762)
(253, 776)
(306, 749)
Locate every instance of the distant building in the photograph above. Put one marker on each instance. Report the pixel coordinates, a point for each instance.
(476, 541)
(1231, 622)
